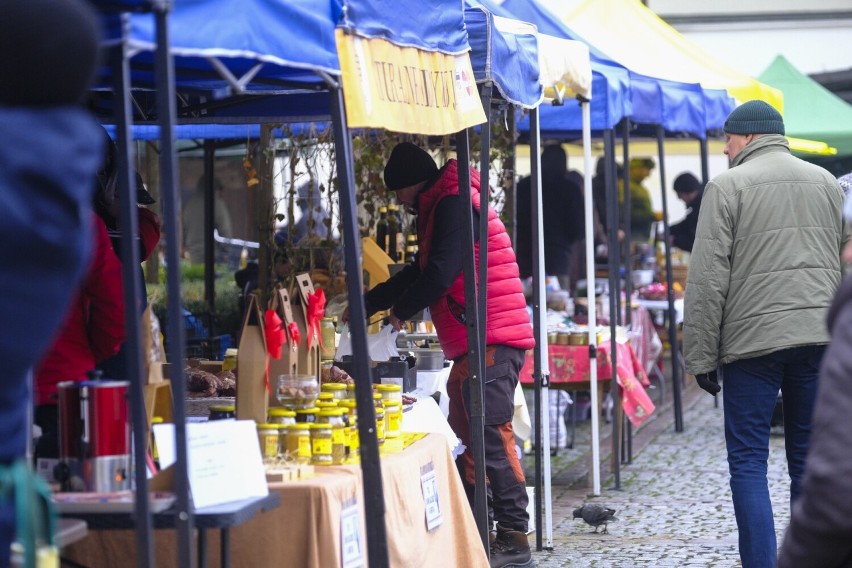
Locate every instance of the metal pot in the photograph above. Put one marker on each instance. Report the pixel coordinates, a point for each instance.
(429, 359)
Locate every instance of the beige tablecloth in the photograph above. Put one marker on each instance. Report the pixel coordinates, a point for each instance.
(304, 532)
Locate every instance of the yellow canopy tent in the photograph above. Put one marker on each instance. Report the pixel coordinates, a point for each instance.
(633, 35)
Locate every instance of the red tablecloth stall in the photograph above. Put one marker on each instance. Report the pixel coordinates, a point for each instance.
(570, 367)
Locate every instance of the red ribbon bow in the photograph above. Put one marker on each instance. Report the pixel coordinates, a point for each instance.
(316, 310)
(295, 336)
(275, 335)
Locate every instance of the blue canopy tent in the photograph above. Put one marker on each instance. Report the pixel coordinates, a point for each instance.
(229, 78)
(223, 50)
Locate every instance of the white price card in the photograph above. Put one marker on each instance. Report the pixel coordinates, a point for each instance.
(429, 482)
(350, 535)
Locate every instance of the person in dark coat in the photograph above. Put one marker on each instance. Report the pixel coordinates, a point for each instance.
(49, 152)
(821, 521)
(690, 191)
(562, 216)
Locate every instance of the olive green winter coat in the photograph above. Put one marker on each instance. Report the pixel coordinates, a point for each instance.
(766, 261)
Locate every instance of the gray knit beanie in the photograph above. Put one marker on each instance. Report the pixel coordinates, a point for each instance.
(754, 117)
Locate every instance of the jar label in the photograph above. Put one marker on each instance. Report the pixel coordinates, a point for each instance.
(304, 446)
(321, 446)
(337, 436)
(394, 421)
(270, 446)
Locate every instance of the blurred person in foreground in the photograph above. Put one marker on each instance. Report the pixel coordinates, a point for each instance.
(821, 521)
(690, 191)
(434, 279)
(764, 269)
(50, 149)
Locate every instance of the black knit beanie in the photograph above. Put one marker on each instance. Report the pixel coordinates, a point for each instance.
(686, 183)
(48, 51)
(408, 164)
(754, 117)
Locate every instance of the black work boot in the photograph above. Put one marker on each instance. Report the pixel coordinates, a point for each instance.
(511, 549)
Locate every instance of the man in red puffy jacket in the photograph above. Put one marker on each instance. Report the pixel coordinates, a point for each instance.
(434, 279)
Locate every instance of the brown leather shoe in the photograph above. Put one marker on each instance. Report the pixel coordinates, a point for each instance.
(511, 549)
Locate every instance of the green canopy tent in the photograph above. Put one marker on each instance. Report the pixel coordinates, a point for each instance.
(810, 110)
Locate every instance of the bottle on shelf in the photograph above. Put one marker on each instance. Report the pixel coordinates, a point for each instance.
(410, 248)
(395, 246)
(382, 229)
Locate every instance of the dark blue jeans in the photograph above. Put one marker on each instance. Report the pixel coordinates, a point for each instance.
(750, 389)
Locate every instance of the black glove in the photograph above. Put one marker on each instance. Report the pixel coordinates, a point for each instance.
(709, 382)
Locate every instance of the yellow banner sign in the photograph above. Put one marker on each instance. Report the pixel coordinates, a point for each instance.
(405, 89)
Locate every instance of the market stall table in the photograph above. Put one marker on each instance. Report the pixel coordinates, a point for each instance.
(306, 531)
(570, 370)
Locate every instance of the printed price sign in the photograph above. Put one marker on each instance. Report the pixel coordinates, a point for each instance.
(350, 535)
(429, 483)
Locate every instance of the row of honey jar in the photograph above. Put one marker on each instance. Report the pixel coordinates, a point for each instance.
(302, 434)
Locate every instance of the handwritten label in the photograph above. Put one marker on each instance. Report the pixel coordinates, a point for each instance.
(350, 535)
(429, 483)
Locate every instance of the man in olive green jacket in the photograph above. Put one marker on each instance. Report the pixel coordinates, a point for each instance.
(763, 272)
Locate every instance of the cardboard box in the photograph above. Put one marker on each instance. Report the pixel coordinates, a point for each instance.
(308, 357)
(252, 400)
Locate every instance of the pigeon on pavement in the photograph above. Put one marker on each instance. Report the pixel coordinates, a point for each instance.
(595, 515)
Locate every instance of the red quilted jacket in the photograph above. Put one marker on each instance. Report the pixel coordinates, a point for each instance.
(508, 322)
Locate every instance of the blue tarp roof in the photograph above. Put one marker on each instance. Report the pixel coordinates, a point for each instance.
(433, 25)
(507, 58)
(678, 107)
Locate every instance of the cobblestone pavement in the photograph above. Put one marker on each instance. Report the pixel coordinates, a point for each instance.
(674, 506)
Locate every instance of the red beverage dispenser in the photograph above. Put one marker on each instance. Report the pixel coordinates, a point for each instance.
(94, 436)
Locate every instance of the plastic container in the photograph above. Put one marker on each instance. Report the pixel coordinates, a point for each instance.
(297, 391)
(328, 330)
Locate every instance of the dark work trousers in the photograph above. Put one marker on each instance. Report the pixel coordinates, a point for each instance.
(507, 494)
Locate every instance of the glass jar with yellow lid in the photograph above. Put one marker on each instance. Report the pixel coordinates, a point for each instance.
(390, 392)
(308, 415)
(322, 444)
(269, 443)
(334, 417)
(354, 439)
(328, 331)
(277, 415)
(326, 396)
(393, 418)
(298, 444)
(222, 412)
(337, 390)
(323, 404)
(380, 418)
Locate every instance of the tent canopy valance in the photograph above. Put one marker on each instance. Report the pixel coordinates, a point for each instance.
(409, 74)
(504, 52)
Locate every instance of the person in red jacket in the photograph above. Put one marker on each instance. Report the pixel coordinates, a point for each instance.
(92, 331)
(434, 279)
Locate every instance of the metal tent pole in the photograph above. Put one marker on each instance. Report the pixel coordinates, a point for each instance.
(132, 291)
(476, 356)
(613, 249)
(374, 502)
(588, 204)
(541, 371)
(705, 160)
(627, 443)
(209, 224)
(673, 343)
(166, 106)
(478, 426)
